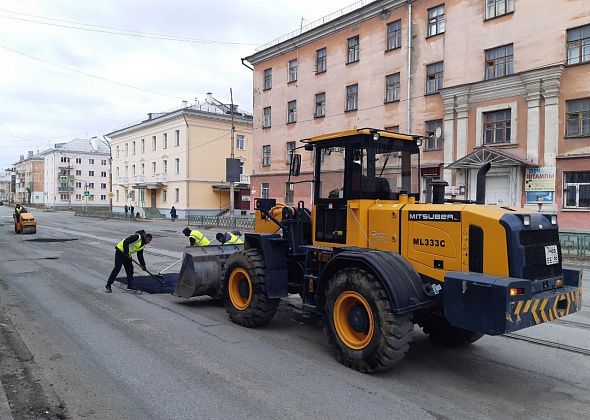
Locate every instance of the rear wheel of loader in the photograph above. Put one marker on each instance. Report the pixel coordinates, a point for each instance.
(244, 289)
(438, 329)
(360, 324)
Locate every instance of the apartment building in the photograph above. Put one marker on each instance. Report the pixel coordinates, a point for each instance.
(499, 81)
(77, 174)
(7, 185)
(29, 179)
(178, 158)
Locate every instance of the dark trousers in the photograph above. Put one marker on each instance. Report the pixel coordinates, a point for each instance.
(121, 260)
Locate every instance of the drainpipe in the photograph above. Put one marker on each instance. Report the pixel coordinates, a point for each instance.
(246, 65)
(409, 102)
(187, 165)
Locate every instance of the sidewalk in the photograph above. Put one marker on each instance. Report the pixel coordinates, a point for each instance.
(5, 412)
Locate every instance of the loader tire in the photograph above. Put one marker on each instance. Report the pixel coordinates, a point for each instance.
(359, 322)
(436, 326)
(244, 291)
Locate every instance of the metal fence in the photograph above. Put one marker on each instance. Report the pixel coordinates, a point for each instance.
(101, 214)
(243, 222)
(575, 245)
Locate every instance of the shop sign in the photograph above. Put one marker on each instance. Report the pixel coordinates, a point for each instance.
(540, 179)
(435, 171)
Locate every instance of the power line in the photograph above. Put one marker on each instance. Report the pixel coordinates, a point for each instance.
(23, 138)
(89, 74)
(115, 31)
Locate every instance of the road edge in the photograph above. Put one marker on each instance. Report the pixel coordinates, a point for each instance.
(5, 411)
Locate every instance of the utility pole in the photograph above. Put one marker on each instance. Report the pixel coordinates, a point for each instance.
(233, 129)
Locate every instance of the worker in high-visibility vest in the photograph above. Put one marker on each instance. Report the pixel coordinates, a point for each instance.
(18, 209)
(229, 238)
(124, 251)
(195, 237)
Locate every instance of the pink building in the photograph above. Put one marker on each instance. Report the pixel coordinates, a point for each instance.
(500, 81)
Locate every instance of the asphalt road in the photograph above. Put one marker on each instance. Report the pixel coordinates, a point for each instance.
(67, 349)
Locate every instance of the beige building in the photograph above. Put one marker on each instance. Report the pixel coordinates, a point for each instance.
(178, 159)
(500, 81)
(29, 172)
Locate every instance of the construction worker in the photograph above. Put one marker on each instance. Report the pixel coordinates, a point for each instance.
(230, 238)
(18, 209)
(123, 255)
(195, 237)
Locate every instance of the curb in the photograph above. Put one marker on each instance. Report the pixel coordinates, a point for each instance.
(5, 412)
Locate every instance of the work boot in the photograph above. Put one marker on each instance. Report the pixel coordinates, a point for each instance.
(108, 288)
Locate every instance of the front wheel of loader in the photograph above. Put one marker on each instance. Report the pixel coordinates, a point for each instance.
(360, 324)
(436, 326)
(244, 292)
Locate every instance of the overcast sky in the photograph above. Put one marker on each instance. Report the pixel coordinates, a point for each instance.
(42, 103)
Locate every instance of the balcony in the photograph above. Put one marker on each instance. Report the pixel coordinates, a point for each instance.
(160, 177)
(244, 179)
(61, 189)
(157, 181)
(123, 180)
(138, 179)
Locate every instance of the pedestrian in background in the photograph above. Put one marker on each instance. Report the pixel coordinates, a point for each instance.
(126, 210)
(132, 211)
(124, 253)
(173, 214)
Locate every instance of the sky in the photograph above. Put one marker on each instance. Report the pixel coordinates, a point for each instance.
(58, 83)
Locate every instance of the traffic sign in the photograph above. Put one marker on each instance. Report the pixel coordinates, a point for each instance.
(86, 193)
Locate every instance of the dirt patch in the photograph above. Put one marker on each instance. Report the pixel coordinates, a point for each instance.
(51, 240)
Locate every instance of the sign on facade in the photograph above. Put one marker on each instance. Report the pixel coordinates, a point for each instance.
(539, 184)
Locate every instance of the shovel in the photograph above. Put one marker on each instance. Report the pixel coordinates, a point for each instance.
(157, 277)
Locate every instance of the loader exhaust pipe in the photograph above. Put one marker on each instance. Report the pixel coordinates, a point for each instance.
(480, 197)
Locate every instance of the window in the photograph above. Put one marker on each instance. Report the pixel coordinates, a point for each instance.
(499, 62)
(165, 141)
(320, 105)
(177, 166)
(241, 168)
(292, 70)
(177, 137)
(240, 142)
(90, 173)
(576, 189)
(154, 168)
(90, 185)
(176, 195)
(496, 126)
(436, 20)
(266, 155)
(143, 169)
(352, 97)
(164, 196)
(103, 197)
(142, 146)
(78, 185)
(291, 112)
(78, 160)
(64, 197)
(394, 128)
(434, 77)
(104, 174)
(267, 84)
(126, 170)
(154, 143)
(126, 149)
(103, 186)
(79, 196)
(353, 49)
(578, 45)
(394, 35)
(266, 117)
(117, 171)
(495, 8)
(321, 57)
(264, 190)
(116, 153)
(103, 162)
(133, 148)
(578, 118)
(78, 173)
(91, 161)
(290, 151)
(392, 87)
(433, 143)
(289, 192)
(117, 194)
(165, 166)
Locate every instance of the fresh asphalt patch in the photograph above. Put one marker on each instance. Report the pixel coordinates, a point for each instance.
(44, 240)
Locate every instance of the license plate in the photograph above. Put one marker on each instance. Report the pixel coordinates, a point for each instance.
(551, 255)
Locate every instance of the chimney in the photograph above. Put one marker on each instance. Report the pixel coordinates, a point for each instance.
(94, 143)
(30, 155)
(184, 104)
(209, 99)
(22, 157)
(149, 116)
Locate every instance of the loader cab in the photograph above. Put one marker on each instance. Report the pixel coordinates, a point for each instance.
(355, 166)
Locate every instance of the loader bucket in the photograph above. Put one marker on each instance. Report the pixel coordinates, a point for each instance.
(202, 270)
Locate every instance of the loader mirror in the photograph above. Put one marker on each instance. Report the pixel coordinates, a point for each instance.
(295, 165)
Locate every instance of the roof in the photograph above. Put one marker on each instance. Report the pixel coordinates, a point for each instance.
(93, 145)
(362, 131)
(494, 155)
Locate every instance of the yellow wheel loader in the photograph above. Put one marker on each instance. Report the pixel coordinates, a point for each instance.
(373, 260)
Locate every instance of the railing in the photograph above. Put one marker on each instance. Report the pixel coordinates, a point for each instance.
(101, 214)
(160, 177)
(243, 222)
(122, 180)
(65, 189)
(575, 245)
(244, 179)
(139, 179)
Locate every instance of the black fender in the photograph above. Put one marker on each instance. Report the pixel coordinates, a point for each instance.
(274, 250)
(401, 281)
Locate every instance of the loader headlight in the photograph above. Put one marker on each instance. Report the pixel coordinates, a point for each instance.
(553, 219)
(526, 220)
(515, 291)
